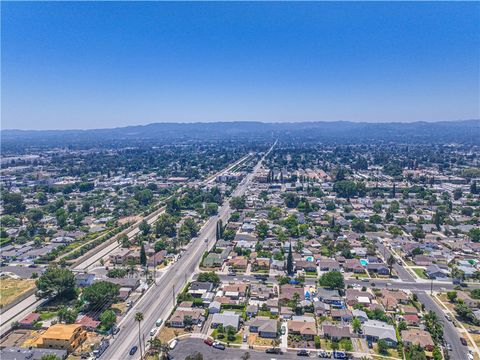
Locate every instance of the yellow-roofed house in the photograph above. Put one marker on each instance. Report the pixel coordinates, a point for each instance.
(63, 337)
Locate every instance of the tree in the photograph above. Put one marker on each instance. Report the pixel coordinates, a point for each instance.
(345, 188)
(50, 357)
(187, 321)
(390, 262)
(13, 203)
(139, 319)
(143, 255)
(66, 315)
(473, 188)
(290, 261)
(166, 225)
(86, 186)
(211, 209)
(332, 280)
(56, 281)
(108, 318)
(209, 277)
(452, 296)
(144, 227)
(457, 194)
(382, 347)
(356, 324)
(238, 202)
(101, 293)
(358, 225)
(262, 229)
(474, 234)
(144, 197)
(434, 326)
(35, 214)
(124, 241)
(231, 331)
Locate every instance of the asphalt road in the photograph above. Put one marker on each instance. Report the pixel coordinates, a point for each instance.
(159, 300)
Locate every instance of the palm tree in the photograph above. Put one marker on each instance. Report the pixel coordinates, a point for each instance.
(390, 262)
(139, 319)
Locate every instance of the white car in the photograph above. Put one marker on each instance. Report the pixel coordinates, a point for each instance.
(159, 322)
(173, 344)
(153, 331)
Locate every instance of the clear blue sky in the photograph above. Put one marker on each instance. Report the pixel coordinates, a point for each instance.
(106, 64)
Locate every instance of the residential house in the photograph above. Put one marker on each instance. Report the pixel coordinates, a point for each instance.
(375, 330)
(63, 337)
(336, 332)
(418, 337)
(226, 319)
(264, 327)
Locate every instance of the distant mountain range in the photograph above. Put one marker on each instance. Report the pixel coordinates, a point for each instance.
(466, 132)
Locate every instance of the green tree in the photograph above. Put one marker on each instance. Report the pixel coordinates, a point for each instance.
(345, 188)
(101, 293)
(56, 281)
(238, 202)
(144, 227)
(356, 325)
(13, 203)
(50, 357)
(166, 225)
(332, 280)
(290, 261)
(390, 263)
(262, 229)
(382, 347)
(209, 277)
(139, 319)
(66, 315)
(143, 255)
(452, 296)
(474, 234)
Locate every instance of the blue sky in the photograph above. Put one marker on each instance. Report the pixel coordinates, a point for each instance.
(106, 64)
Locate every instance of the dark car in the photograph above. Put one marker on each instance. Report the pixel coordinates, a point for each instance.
(133, 350)
(274, 351)
(463, 341)
(302, 353)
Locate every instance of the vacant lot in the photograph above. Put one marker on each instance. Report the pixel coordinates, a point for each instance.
(12, 288)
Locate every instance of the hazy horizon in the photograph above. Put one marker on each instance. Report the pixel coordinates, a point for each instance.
(89, 65)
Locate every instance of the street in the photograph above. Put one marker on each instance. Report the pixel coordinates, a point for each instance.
(159, 300)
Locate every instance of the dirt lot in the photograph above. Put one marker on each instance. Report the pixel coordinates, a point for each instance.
(16, 338)
(168, 333)
(12, 288)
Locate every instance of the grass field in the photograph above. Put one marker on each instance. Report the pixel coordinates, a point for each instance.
(420, 273)
(11, 288)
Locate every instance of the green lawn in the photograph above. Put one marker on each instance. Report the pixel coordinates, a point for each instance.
(420, 273)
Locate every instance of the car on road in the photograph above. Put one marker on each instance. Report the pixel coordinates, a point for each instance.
(448, 318)
(159, 322)
(449, 347)
(339, 355)
(173, 344)
(153, 331)
(365, 280)
(325, 354)
(283, 330)
(218, 345)
(232, 273)
(133, 350)
(208, 341)
(274, 351)
(463, 341)
(303, 353)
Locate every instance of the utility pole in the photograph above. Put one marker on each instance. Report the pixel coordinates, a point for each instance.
(431, 286)
(173, 294)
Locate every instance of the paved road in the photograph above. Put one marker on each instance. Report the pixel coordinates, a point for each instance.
(28, 305)
(450, 332)
(159, 300)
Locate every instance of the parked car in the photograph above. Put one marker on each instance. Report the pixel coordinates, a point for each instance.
(208, 341)
(303, 353)
(448, 318)
(159, 322)
(133, 350)
(339, 355)
(245, 337)
(232, 273)
(274, 351)
(370, 344)
(218, 345)
(325, 354)
(463, 341)
(153, 331)
(283, 330)
(173, 344)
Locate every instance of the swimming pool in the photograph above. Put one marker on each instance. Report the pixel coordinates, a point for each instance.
(309, 258)
(364, 262)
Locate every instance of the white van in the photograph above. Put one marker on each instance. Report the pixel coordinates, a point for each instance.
(173, 344)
